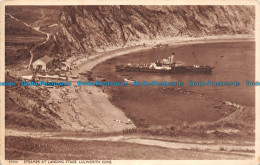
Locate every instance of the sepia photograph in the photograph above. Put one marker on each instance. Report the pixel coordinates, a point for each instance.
(96, 83)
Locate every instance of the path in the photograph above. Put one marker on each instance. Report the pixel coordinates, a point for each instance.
(233, 150)
(36, 29)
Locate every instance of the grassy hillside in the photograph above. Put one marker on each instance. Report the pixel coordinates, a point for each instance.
(19, 38)
(36, 16)
(20, 33)
(20, 148)
(27, 108)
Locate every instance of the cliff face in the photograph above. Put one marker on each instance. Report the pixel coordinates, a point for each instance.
(87, 28)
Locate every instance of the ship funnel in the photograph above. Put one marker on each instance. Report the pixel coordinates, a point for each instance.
(172, 58)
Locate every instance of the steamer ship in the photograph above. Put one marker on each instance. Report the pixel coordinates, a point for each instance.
(167, 65)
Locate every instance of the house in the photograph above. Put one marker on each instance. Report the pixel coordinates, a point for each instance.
(43, 63)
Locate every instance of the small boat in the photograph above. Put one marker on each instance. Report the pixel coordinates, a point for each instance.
(100, 78)
(129, 80)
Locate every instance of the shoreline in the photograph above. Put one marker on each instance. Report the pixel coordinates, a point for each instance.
(98, 101)
(106, 55)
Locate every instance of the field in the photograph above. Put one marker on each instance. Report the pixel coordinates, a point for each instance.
(36, 16)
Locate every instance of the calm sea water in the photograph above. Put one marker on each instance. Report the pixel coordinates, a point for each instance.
(233, 61)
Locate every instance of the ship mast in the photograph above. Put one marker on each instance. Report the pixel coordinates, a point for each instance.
(141, 54)
(172, 58)
(172, 62)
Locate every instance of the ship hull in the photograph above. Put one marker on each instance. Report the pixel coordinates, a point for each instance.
(181, 69)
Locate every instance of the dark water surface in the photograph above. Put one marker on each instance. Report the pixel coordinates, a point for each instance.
(235, 62)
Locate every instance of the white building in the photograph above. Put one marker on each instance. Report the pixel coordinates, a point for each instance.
(42, 64)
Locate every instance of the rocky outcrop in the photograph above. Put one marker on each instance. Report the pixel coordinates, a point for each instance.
(91, 28)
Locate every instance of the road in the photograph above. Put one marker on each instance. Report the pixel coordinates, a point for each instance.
(36, 29)
(231, 151)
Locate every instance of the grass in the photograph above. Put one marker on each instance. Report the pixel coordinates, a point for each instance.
(239, 120)
(19, 35)
(23, 108)
(18, 47)
(35, 15)
(23, 148)
(14, 27)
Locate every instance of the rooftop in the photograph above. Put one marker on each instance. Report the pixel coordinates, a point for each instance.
(46, 59)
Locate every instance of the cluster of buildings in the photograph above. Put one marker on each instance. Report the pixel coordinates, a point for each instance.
(44, 68)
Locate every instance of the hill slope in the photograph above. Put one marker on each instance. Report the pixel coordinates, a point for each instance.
(87, 28)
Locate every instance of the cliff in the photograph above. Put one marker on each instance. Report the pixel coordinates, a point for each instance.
(83, 29)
